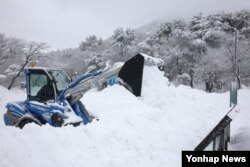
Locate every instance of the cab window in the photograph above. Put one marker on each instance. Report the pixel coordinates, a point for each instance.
(60, 78)
(40, 87)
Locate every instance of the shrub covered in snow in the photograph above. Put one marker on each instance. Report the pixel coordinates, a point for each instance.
(12, 70)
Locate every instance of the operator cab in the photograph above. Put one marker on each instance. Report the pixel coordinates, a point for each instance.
(44, 85)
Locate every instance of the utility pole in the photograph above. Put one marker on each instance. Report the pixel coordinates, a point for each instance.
(235, 85)
(236, 67)
(235, 55)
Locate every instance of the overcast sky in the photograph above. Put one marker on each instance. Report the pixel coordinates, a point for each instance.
(65, 23)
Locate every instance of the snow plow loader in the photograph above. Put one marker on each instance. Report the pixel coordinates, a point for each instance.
(52, 98)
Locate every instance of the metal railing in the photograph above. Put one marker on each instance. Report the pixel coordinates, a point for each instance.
(220, 135)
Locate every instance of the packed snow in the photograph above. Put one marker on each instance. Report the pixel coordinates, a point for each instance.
(141, 132)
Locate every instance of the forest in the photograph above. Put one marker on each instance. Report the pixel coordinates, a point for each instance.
(214, 48)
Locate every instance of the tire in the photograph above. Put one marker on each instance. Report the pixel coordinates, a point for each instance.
(25, 122)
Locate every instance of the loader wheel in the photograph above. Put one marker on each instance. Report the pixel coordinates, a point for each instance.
(57, 120)
(25, 122)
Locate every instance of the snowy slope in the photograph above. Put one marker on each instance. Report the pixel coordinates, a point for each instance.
(148, 131)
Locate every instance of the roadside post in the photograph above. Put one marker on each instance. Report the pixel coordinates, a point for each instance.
(233, 93)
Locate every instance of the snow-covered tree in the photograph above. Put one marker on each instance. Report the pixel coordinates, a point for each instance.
(183, 79)
(3, 47)
(95, 63)
(10, 48)
(91, 43)
(31, 53)
(122, 41)
(214, 38)
(12, 70)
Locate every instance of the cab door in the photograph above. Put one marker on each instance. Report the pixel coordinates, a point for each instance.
(40, 87)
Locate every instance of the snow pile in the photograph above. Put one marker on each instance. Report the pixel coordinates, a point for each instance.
(148, 131)
(240, 126)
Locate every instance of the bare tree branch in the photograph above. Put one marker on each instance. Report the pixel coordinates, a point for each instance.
(33, 49)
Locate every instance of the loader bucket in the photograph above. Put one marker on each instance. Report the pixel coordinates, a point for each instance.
(131, 74)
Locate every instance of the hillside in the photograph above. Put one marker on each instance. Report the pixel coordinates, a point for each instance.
(204, 45)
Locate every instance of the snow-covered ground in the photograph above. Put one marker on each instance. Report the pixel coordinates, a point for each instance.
(136, 132)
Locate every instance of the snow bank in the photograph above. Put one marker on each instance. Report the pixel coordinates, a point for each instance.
(148, 131)
(240, 126)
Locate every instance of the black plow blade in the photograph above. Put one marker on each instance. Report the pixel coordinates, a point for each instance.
(131, 74)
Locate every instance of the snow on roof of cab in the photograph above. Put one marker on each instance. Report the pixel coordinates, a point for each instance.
(40, 68)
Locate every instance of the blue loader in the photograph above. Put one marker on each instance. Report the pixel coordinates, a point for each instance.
(53, 99)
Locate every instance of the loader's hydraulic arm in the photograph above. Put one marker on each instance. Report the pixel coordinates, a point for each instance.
(129, 74)
(78, 84)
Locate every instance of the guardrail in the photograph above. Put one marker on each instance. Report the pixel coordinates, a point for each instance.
(220, 135)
